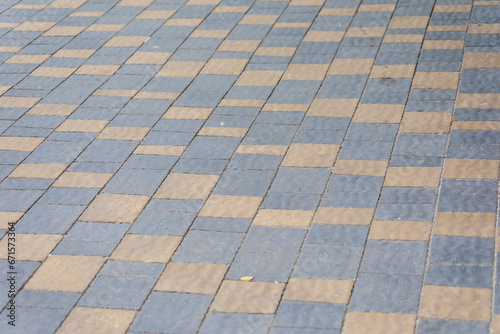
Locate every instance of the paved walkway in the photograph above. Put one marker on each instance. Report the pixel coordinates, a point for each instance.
(343, 155)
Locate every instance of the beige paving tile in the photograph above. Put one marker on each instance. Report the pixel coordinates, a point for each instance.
(31, 247)
(258, 19)
(483, 28)
(259, 78)
(310, 155)
(187, 113)
(285, 107)
(442, 45)
(387, 323)
(52, 109)
(305, 72)
(115, 208)
(97, 69)
(307, 2)
(343, 216)
(27, 59)
(283, 218)
(426, 122)
(65, 273)
(241, 103)
(135, 3)
(262, 149)
(333, 107)
(400, 38)
(126, 41)
(479, 101)
(413, 177)
(238, 46)
(435, 80)
(392, 71)
(20, 143)
(360, 167)
(155, 15)
(64, 31)
(146, 248)
(149, 58)
(365, 32)
(378, 113)
(377, 8)
(156, 96)
(160, 150)
(200, 33)
(465, 224)
(350, 66)
(203, 2)
(9, 217)
(471, 169)
(181, 69)
(448, 28)
(105, 27)
(74, 53)
(446, 302)
(292, 25)
(34, 26)
(323, 36)
(38, 171)
(187, 186)
(223, 132)
(124, 132)
(481, 60)
(230, 206)
(476, 125)
(247, 297)
(83, 320)
(275, 51)
(452, 8)
(231, 9)
(224, 66)
(82, 125)
(495, 323)
(400, 230)
(318, 290)
(337, 12)
(408, 22)
(82, 180)
(115, 92)
(3, 89)
(29, 6)
(204, 278)
(183, 22)
(54, 72)
(18, 102)
(67, 4)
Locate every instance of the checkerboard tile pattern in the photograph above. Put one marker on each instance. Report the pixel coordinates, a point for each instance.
(343, 156)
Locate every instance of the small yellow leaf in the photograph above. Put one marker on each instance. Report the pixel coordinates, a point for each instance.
(246, 278)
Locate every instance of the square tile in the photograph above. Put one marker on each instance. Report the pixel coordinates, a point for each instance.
(413, 177)
(248, 297)
(390, 323)
(318, 290)
(230, 206)
(32, 247)
(426, 122)
(283, 218)
(204, 278)
(146, 248)
(115, 208)
(470, 169)
(455, 303)
(187, 186)
(38, 171)
(224, 66)
(64, 273)
(93, 320)
(310, 155)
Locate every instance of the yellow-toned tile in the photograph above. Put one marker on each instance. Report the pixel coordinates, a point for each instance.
(82, 125)
(181, 69)
(258, 19)
(360, 167)
(13, 49)
(283, 218)
(408, 22)
(350, 66)
(481, 60)
(34, 26)
(310, 155)
(74, 53)
(183, 22)
(54, 72)
(187, 113)
(146, 248)
(285, 107)
(476, 125)
(238, 46)
(484, 28)
(18, 102)
(203, 2)
(241, 103)
(307, 2)
(97, 69)
(20, 143)
(403, 38)
(31, 247)
(292, 25)
(223, 132)
(204, 278)
(452, 8)
(160, 150)
(465, 224)
(323, 36)
(262, 149)
(29, 6)
(105, 27)
(65, 273)
(64, 31)
(199, 33)
(259, 78)
(337, 12)
(124, 133)
(442, 45)
(318, 290)
(155, 15)
(392, 71)
(115, 208)
(187, 186)
(435, 80)
(400, 230)
(413, 177)
(275, 51)
(365, 32)
(333, 107)
(83, 320)
(38, 171)
(134, 3)
(305, 72)
(82, 180)
(426, 122)
(27, 59)
(446, 302)
(248, 297)
(126, 41)
(224, 66)
(231, 9)
(52, 109)
(156, 96)
(378, 113)
(343, 216)
(371, 322)
(447, 28)
(73, 4)
(478, 101)
(230, 206)
(115, 92)
(149, 58)
(9, 217)
(471, 169)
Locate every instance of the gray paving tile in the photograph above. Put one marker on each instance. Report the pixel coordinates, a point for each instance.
(236, 323)
(461, 250)
(309, 315)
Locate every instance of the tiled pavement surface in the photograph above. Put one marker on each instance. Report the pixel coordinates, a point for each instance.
(343, 153)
